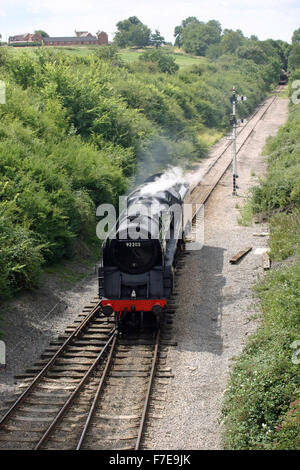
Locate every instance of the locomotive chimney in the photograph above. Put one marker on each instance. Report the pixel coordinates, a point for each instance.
(133, 295)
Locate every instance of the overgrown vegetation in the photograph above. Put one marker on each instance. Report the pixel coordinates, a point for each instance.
(165, 62)
(208, 39)
(77, 129)
(262, 402)
(294, 56)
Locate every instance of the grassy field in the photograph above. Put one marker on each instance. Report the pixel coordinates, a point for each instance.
(183, 60)
(128, 55)
(72, 50)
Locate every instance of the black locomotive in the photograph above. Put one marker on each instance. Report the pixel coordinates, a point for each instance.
(283, 80)
(136, 271)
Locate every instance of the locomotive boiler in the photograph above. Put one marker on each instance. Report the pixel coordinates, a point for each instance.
(136, 272)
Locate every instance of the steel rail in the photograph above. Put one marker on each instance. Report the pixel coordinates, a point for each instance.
(96, 398)
(206, 195)
(48, 365)
(73, 395)
(148, 393)
(252, 116)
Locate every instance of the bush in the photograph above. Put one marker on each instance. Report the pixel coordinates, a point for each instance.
(166, 62)
(20, 254)
(281, 188)
(51, 184)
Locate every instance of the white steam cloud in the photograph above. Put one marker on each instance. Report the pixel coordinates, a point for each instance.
(174, 175)
(171, 176)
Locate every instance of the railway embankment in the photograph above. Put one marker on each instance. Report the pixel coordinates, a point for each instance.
(54, 173)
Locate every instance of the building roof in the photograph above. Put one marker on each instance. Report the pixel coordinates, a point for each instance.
(18, 37)
(82, 34)
(69, 39)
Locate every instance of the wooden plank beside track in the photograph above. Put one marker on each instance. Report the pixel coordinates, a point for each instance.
(240, 255)
(266, 262)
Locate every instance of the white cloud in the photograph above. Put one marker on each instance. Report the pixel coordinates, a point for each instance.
(100, 7)
(266, 18)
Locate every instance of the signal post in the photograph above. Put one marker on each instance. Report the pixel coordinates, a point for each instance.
(233, 121)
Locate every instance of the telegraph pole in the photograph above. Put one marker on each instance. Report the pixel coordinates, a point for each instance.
(234, 99)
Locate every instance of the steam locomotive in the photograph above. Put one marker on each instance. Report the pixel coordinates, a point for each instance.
(283, 80)
(136, 272)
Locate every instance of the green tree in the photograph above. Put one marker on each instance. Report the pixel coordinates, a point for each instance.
(252, 52)
(284, 51)
(177, 35)
(214, 51)
(277, 49)
(296, 37)
(42, 33)
(216, 25)
(294, 57)
(179, 29)
(197, 37)
(231, 40)
(157, 39)
(132, 32)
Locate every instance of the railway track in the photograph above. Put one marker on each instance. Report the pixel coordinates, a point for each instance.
(91, 389)
(94, 388)
(223, 159)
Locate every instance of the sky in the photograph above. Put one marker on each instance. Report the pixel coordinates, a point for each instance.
(275, 19)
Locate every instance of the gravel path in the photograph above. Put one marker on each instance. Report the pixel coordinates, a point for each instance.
(215, 305)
